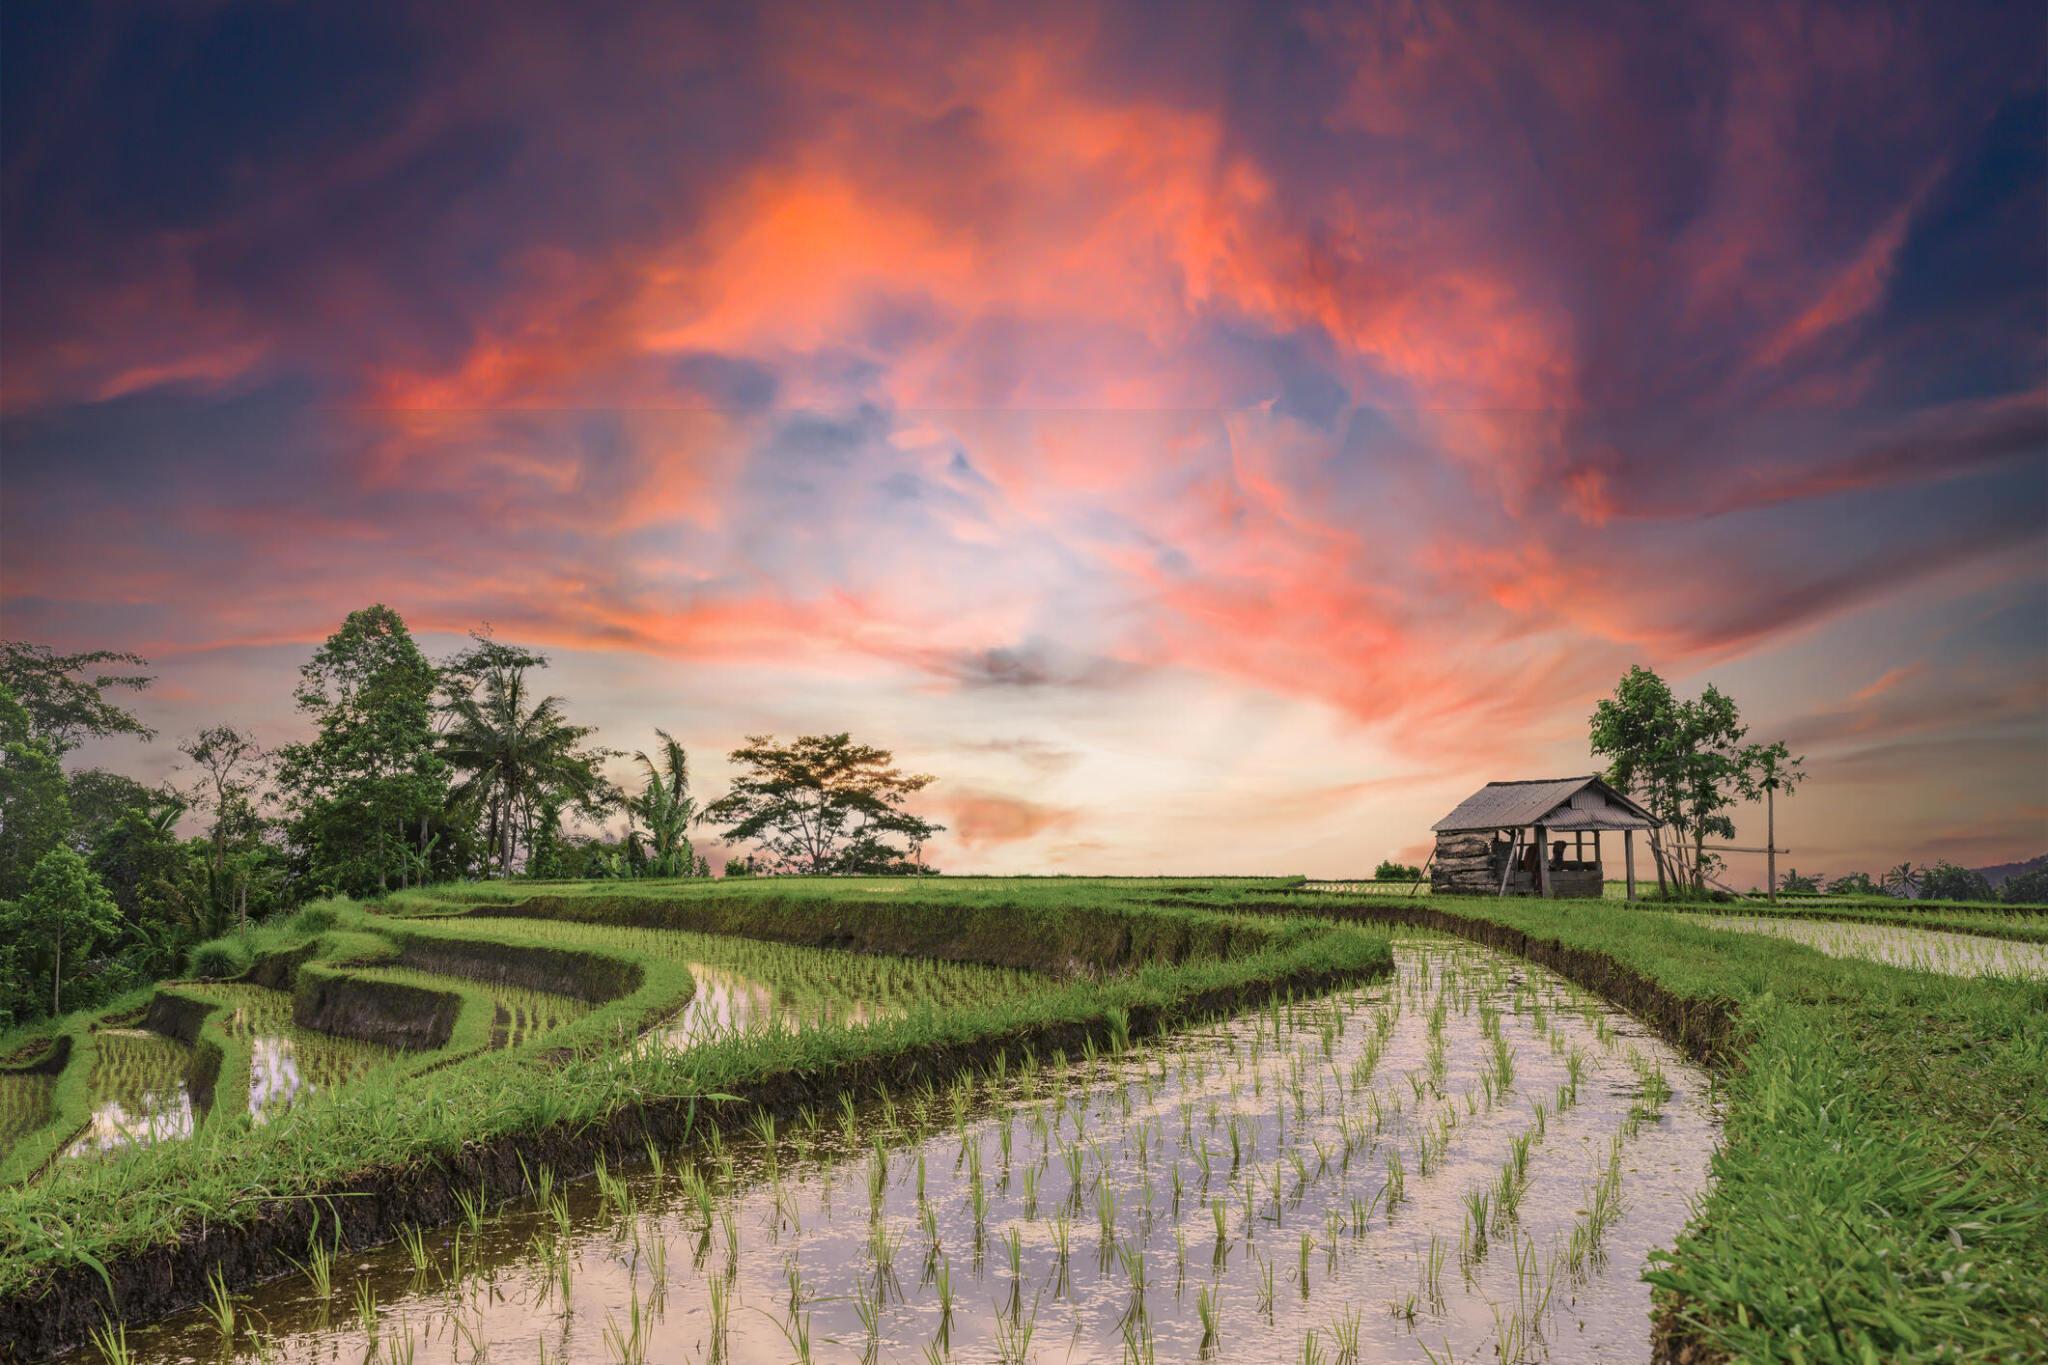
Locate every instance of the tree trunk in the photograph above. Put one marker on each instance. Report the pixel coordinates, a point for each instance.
(56, 975)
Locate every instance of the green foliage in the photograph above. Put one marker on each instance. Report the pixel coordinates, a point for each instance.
(219, 959)
(1797, 881)
(1391, 871)
(1947, 882)
(35, 809)
(1685, 762)
(64, 709)
(64, 915)
(522, 761)
(98, 801)
(665, 808)
(362, 790)
(1854, 884)
(2027, 888)
(824, 805)
(314, 919)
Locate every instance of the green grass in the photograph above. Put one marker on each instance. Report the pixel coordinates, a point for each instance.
(1123, 961)
(2020, 923)
(1879, 1194)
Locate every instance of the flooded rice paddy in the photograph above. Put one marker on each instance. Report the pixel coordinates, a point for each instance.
(286, 1062)
(24, 1106)
(138, 1090)
(1469, 1160)
(1927, 950)
(745, 983)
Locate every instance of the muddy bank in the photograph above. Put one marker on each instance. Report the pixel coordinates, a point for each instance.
(412, 1018)
(149, 1284)
(40, 1057)
(184, 1018)
(591, 977)
(1068, 940)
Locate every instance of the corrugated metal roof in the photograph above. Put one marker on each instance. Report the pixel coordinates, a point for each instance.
(1507, 805)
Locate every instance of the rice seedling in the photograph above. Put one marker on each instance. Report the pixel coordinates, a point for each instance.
(219, 1306)
(1013, 1333)
(1209, 1312)
(719, 1293)
(415, 1243)
(109, 1341)
(364, 1301)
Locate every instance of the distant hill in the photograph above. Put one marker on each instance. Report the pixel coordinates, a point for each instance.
(1997, 875)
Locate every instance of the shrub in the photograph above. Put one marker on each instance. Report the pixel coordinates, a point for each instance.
(315, 919)
(1391, 871)
(220, 958)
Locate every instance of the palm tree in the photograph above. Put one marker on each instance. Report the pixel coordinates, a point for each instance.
(518, 758)
(665, 807)
(1903, 880)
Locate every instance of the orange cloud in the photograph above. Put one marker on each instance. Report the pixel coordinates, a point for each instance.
(983, 819)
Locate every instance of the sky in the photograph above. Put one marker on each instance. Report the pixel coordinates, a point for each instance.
(1208, 438)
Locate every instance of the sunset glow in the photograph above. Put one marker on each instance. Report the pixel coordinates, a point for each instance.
(1213, 444)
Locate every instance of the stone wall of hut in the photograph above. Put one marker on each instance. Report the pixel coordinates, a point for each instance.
(1465, 864)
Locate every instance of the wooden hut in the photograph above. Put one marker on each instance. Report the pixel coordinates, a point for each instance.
(1535, 838)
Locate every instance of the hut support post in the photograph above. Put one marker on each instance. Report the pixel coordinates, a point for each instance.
(1599, 863)
(1543, 862)
(1514, 850)
(1628, 857)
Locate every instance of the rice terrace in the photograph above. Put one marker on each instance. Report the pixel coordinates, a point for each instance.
(1068, 682)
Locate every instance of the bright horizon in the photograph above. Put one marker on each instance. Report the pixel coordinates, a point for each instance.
(1207, 451)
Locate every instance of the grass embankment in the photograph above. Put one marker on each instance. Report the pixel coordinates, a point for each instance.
(1879, 1194)
(398, 1148)
(2019, 923)
(271, 955)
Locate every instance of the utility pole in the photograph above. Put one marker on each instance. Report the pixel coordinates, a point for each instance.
(1771, 837)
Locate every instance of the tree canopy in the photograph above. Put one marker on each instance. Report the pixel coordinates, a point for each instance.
(521, 759)
(64, 709)
(362, 790)
(1686, 763)
(823, 804)
(664, 808)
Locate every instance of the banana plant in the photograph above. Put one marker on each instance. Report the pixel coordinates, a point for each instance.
(665, 809)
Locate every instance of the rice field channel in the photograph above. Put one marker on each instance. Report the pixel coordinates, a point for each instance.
(1926, 950)
(1469, 1160)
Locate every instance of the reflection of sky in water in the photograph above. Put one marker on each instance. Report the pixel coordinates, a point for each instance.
(286, 1062)
(274, 1077)
(726, 1002)
(1146, 1134)
(138, 1091)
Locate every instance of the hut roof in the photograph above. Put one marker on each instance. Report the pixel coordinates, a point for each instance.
(1548, 802)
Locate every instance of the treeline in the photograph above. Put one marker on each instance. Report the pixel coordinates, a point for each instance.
(414, 771)
(1941, 881)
